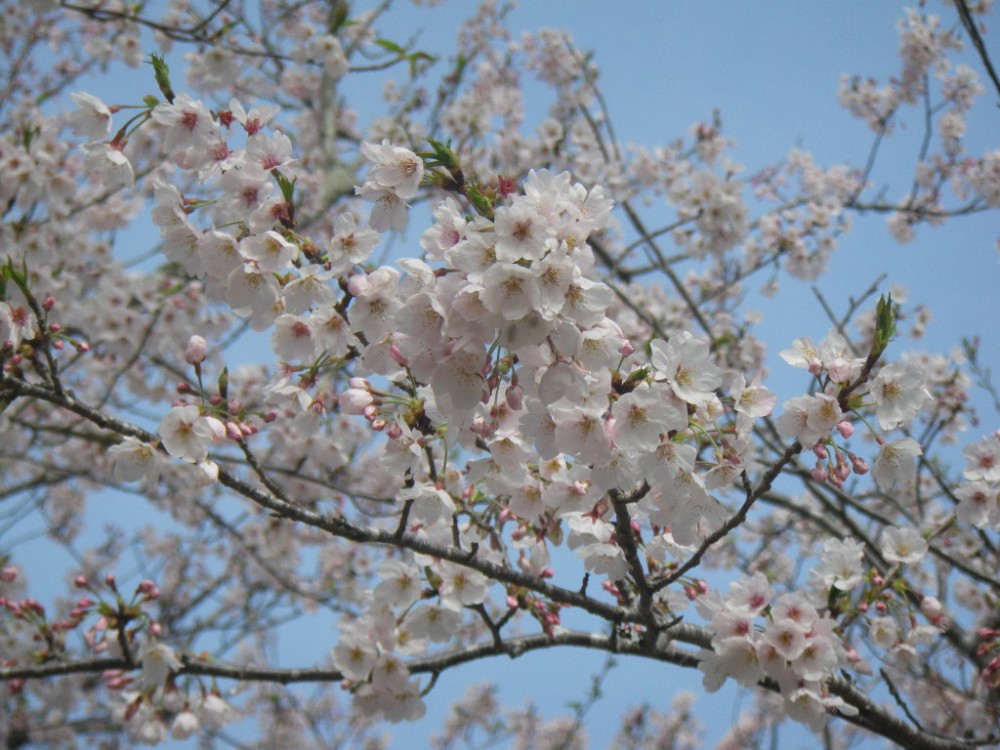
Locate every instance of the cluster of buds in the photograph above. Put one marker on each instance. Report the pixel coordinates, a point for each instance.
(839, 466)
(695, 588)
(110, 631)
(376, 407)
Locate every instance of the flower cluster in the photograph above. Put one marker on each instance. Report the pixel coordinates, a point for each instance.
(796, 646)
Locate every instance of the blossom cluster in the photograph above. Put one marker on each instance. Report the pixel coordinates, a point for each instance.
(499, 342)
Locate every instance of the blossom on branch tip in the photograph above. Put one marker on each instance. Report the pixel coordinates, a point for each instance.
(91, 119)
(396, 169)
(112, 167)
(899, 393)
(895, 464)
(902, 545)
(133, 460)
(809, 419)
(188, 123)
(158, 662)
(186, 434)
(685, 363)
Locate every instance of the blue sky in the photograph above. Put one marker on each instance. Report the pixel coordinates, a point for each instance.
(772, 70)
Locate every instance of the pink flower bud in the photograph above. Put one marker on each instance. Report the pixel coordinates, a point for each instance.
(146, 586)
(845, 428)
(820, 450)
(195, 351)
(116, 683)
(933, 610)
(48, 303)
(59, 345)
(355, 401)
(8, 574)
(862, 666)
(860, 465)
(55, 328)
(626, 349)
(515, 397)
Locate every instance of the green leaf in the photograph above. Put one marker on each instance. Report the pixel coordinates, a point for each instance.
(482, 203)
(440, 155)
(287, 186)
(162, 75)
(885, 324)
(339, 16)
(390, 47)
(416, 58)
(224, 383)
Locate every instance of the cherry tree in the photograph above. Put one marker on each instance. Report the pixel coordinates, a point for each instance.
(471, 382)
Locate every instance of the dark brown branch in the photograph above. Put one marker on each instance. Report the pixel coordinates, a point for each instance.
(977, 41)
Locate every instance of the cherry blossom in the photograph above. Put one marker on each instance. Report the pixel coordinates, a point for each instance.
(92, 118)
(186, 434)
(895, 463)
